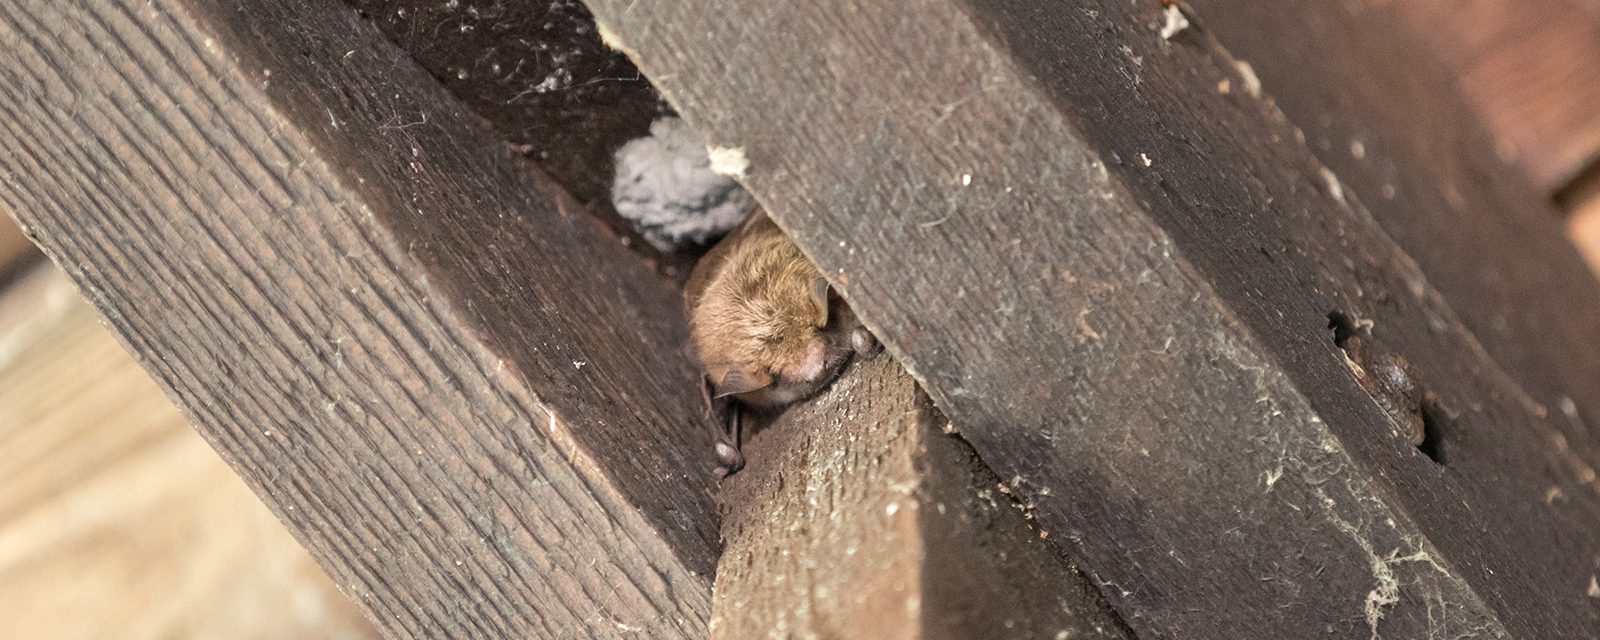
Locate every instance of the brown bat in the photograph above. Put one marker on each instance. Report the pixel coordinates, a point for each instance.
(767, 328)
(1391, 380)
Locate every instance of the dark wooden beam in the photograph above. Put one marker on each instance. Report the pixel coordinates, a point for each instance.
(858, 518)
(1116, 280)
(1376, 104)
(467, 399)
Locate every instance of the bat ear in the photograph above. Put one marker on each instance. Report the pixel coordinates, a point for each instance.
(740, 379)
(819, 301)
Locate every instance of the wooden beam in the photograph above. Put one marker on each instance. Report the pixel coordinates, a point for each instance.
(537, 72)
(466, 399)
(1375, 104)
(1117, 282)
(858, 518)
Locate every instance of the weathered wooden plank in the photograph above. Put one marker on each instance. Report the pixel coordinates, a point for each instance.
(1117, 283)
(118, 521)
(1376, 105)
(466, 399)
(857, 518)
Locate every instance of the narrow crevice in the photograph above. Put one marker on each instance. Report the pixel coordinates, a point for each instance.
(1393, 383)
(1433, 420)
(538, 76)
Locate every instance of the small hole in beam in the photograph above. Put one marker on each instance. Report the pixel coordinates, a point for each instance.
(1343, 327)
(1393, 383)
(1433, 420)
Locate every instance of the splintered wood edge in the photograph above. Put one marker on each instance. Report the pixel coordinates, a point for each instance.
(462, 396)
(858, 518)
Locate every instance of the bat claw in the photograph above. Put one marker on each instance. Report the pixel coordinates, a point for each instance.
(729, 459)
(865, 343)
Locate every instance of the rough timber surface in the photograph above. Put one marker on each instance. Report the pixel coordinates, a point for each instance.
(857, 518)
(467, 400)
(1377, 106)
(1117, 281)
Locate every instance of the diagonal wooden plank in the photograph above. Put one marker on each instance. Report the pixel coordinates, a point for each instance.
(1374, 103)
(465, 398)
(1117, 282)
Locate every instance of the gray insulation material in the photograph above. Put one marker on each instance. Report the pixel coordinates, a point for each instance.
(664, 185)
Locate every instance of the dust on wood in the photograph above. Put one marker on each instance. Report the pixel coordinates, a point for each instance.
(1372, 99)
(538, 72)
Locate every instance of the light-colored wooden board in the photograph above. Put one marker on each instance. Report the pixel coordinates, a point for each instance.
(116, 519)
(1583, 224)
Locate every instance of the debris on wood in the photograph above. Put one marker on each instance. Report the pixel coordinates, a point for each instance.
(1176, 22)
(1331, 181)
(1248, 78)
(728, 161)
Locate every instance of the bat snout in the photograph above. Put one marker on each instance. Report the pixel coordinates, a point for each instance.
(812, 366)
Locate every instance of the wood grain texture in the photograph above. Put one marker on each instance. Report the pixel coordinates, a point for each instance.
(857, 518)
(464, 397)
(116, 519)
(1377, 105)
(1116, 281)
